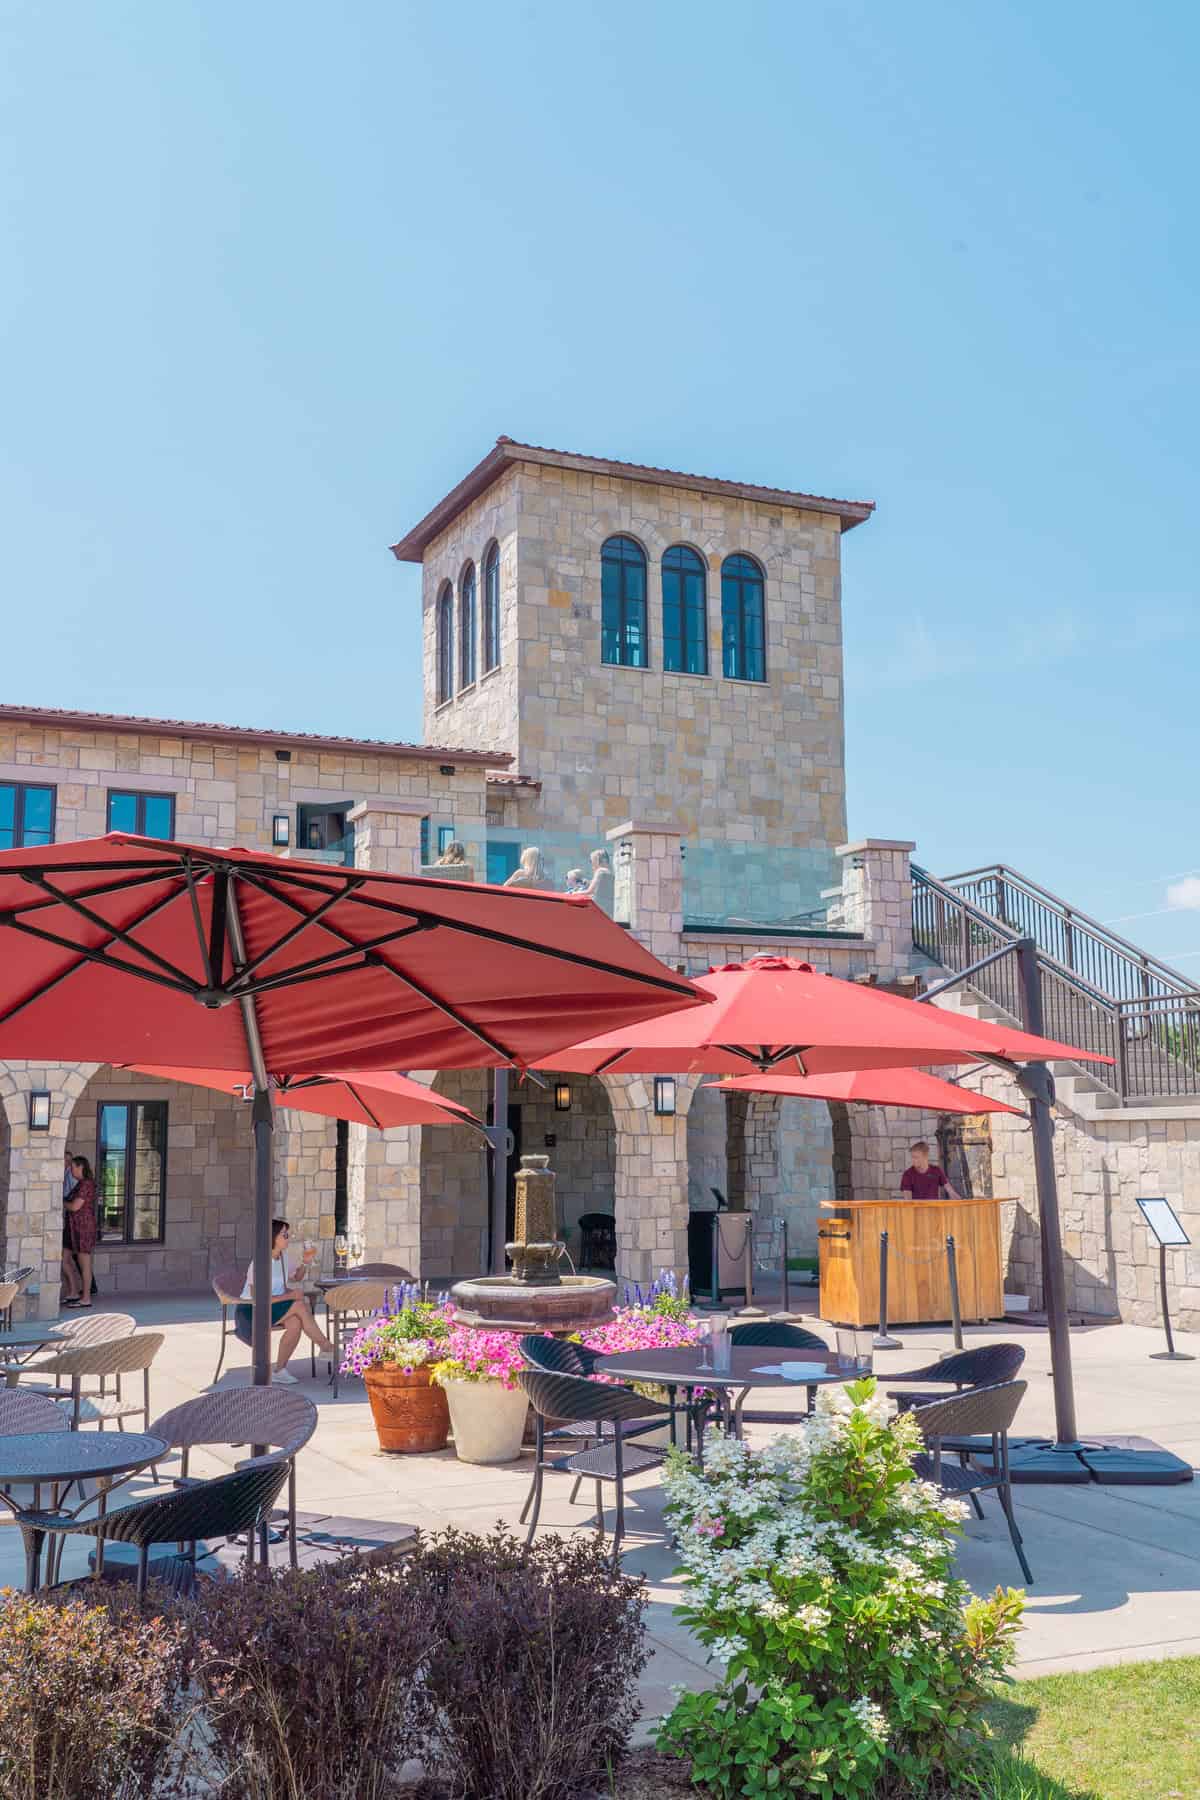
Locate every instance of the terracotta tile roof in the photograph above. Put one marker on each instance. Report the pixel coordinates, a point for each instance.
(507, 453)
(243, 734)
(496, 779)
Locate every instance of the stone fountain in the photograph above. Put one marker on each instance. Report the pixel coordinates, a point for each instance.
(535, 1297)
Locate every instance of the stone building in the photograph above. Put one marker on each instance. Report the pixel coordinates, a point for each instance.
(633, 683)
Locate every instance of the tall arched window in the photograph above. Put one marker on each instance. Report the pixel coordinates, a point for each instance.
(466, 627)
(685, 612)
(623, 604)
(491, 608)
(445, 644)
(743, 624)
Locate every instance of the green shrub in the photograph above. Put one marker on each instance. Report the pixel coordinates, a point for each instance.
(91, 1699)
(818, 1570)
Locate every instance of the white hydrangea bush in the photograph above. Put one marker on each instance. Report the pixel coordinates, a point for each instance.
(818, 1571)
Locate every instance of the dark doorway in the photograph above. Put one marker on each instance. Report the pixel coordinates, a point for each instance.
(965, 1153)
(341, 1179)
(514, 1163)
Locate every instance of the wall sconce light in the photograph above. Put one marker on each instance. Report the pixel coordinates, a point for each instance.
(281, 829)
(283, 756)
(664, 1094)
(39, 1111)
(562, 1096)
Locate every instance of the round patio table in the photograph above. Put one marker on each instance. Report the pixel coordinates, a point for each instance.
(33, 1335)
(749, 1366)
(40, 1459)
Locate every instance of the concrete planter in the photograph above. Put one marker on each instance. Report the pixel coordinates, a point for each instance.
(487, 1419)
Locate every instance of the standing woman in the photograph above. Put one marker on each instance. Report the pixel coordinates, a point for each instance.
(81, 1224)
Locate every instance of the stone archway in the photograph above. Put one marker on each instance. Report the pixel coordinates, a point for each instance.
(32, 1224)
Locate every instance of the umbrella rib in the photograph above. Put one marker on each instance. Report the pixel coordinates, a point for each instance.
(437, 921)
(87, 956)
(116, 931)
(357, 1095)
(197, 921)
(303, 971)
(107, 887)
(293, 931)
(451, 1012)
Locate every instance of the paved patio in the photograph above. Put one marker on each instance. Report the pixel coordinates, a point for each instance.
(1117, 1570)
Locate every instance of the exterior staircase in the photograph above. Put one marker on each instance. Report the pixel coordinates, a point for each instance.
(1098, 990)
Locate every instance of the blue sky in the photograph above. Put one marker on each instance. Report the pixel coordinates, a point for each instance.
(276, 275)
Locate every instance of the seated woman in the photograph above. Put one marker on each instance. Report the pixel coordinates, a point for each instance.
(454, 856)
(530, 870)
(289, 1307)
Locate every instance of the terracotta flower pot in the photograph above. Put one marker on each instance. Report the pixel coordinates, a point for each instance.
(410, 1413)
(488, 1420)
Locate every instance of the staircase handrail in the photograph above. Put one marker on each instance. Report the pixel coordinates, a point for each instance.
(1078, 921)
(1002, 928)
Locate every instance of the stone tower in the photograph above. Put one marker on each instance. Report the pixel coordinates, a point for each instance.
(728, 729)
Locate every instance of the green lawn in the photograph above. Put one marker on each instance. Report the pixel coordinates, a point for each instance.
(1127, 1733)
(802, 1264)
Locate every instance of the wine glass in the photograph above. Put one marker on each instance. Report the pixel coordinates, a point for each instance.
(339, 1249)
(704, 1332)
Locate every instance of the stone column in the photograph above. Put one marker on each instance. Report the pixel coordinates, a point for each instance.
(648, 885)
(34, 1217)
(877, 900)
(650, 1177)
(387, 834)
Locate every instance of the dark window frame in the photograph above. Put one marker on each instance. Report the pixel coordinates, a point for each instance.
(445, 644)
(737, 647)
(619, 623)
(20, 789)
(691, 637)
(491, 608)
(467, 627)
(140, 795)
(126, 1242)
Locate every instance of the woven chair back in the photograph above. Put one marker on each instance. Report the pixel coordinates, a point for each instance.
(985, 1366)
(266, 1415)
(777, 1334)
(25, 1411)
(378, 1271)
(227, 1285)
(223, 1507)
(556, 1356)
(120, 1356)
(574, 1398)
(357, 1296)
(976, 1414)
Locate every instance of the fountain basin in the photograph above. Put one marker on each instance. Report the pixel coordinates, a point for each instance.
(574, 1303)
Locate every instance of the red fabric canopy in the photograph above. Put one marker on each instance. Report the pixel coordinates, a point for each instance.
(871, 1087)
(771, 1011)
(364, 1096)
(125, 950)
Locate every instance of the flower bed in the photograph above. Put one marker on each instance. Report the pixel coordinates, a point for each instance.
(818, 1570)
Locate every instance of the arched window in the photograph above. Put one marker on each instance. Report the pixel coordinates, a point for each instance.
(445, 644)
(623, 604)
(743, 625)
(466, 627)
(491, 608)
(685, 612)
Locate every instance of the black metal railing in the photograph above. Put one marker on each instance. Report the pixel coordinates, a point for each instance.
(1152, 1033)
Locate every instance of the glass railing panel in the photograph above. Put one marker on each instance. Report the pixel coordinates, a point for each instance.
(561, 862)
(756, 887)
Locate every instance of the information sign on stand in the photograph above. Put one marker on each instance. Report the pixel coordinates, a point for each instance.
(1168, 1234)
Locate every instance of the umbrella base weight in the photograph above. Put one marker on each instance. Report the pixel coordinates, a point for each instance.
(1110, 1461)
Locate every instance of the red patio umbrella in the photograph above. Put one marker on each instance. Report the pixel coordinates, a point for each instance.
(364, 1096)
(912, 1088)
(775, 1014)
(126, 949)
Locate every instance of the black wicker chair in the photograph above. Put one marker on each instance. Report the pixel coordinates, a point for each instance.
(224, 1508)
(777, 1334)
(984, 1413)
(574, 1398)
(986, 1366)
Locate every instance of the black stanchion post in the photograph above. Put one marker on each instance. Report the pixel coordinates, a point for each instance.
(955, 1308)
(786, 1304)
(881, 1339)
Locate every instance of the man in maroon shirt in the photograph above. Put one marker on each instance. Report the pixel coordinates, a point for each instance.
(923, 1180)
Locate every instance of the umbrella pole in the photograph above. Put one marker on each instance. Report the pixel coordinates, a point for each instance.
(260, 1329)
(1038, 1088)
(499, 1191)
